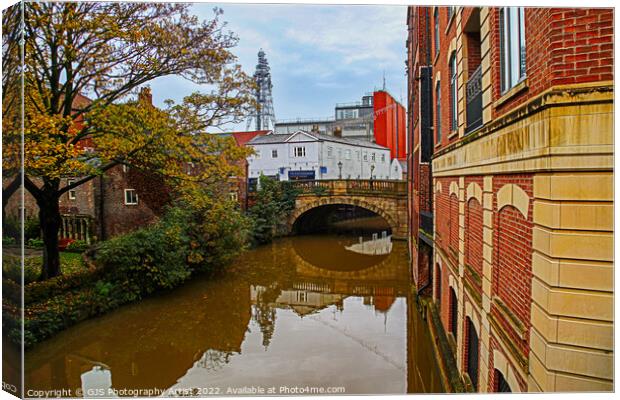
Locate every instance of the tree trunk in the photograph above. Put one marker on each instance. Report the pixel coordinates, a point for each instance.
(49, 216)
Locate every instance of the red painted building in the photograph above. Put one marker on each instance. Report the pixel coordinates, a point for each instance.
(390, 126)
(511, 199)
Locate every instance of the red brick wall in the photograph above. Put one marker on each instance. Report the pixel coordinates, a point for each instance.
(84, 202)
(563, 46)
(512, 257)
(453, 222)
(119, 218)
(473, 238)
(442, 215)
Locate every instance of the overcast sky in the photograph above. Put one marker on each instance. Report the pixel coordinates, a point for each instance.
(319, 54)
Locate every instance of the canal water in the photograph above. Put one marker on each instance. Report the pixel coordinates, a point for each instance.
(303, 313)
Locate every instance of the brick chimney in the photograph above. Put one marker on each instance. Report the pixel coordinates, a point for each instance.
(338, 132)
(145, 96)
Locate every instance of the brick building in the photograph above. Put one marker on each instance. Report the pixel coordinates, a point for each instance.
(239, 191)
(511, 205)
(120, 200)
(390, 128)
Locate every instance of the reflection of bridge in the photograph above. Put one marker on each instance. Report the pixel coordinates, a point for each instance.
(387, 199)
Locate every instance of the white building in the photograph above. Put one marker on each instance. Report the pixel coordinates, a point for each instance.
(398, 170)
(303, 155)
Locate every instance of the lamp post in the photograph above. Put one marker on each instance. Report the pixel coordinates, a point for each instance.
(372, 168)
(340, 168)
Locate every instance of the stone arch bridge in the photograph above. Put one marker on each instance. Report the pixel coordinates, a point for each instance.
(387, 199)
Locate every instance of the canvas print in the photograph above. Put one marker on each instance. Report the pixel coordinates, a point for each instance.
(237, 199)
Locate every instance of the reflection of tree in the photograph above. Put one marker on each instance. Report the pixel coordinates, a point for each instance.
(213, 359)
(263, 313)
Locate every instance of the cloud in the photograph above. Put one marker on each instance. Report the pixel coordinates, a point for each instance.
(319, 54)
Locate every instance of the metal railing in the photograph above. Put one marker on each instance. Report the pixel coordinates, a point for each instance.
(474, 100)
(351, 186)
(78, 227)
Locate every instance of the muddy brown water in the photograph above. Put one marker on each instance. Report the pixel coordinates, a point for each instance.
(301, 315)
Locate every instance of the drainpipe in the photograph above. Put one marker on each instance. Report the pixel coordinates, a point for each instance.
(102, 232)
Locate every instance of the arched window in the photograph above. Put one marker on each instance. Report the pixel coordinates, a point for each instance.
(472, 353)
(438, 286)
(454, 313)
(453, 92)
(501, 385)
(438, 111)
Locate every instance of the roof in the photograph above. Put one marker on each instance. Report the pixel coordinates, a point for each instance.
(243, 137)
(285, 137)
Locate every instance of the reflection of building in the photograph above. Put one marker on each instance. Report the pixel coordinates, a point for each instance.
(512, 108)
(374, 246)
(304, 155)
(303, 302)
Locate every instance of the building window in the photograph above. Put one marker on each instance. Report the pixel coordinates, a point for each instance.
(125, 168)
(512, 46)
(453, 93)
(257, 154)
(72, 193)
(189, 168)
(472, 353)
(347, 154)
(131, 197)
(436, 19)
(454, 310)
(299, 151)
(372, 157)
(365, 156)
(274, 153)
(330, 152)
(382, 157)
(234, 196)
(501, 385)
(438, 111)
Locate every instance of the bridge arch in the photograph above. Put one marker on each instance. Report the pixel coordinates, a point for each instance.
(303, 206)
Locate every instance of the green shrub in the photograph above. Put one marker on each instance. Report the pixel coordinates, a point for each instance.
(32, 228)
(39, 291)
(36, 243)
(12, 269)
(8, 241)
(274, 202)
(11, 227)
(77, 246)
(151, 258)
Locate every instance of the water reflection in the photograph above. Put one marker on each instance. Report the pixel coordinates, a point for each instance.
(285, 314)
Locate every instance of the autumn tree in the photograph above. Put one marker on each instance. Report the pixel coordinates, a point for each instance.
(106, 52)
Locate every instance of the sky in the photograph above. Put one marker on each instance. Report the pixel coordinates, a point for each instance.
(319, 54)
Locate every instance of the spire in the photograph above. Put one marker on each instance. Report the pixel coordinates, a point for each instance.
(263, 115)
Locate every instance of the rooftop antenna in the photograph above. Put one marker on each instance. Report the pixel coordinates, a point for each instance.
(263, 116)
(384, 80)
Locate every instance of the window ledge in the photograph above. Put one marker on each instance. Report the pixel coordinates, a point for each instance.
(438, 144)
(518, 88)
(453, 134)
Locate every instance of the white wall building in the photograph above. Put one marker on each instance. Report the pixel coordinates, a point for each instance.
(303, 155)
(398, 170)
